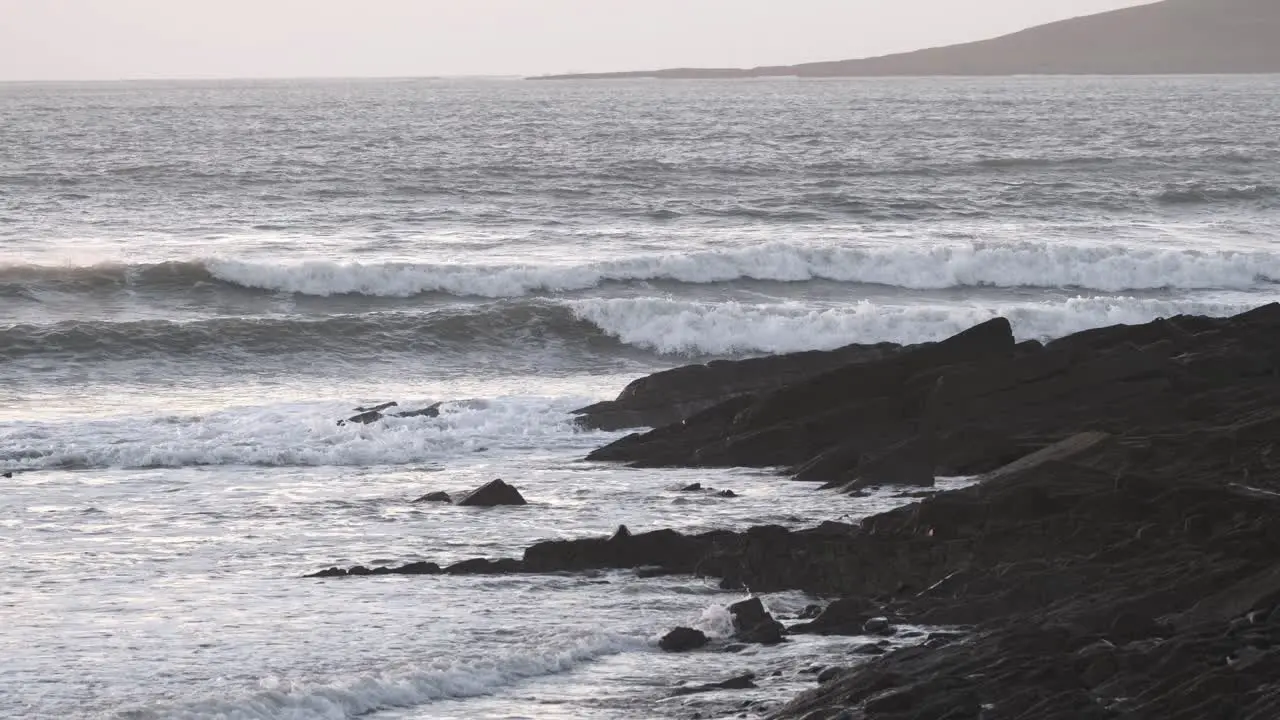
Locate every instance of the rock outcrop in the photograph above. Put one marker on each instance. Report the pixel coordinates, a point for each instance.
(683, 639)
(491, 494)
(673, 395)
(369, 415)
(439, 496)
(1119, 555)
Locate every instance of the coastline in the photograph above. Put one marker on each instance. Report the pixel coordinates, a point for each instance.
(1115, 556)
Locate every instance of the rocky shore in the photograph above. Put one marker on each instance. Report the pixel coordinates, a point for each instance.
(1118, 555)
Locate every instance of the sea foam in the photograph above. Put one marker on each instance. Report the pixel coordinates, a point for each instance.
(361, 695)
(698, 328)
(303, 434)
(1110, 268)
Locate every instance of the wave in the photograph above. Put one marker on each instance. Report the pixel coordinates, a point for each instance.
(293, 435)
(1108, 268)
(368, 693)
(513, 328)
(692, 328)
(1200, 194)
(502, 324)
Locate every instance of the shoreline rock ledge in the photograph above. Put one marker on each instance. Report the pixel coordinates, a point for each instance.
(1118, 555)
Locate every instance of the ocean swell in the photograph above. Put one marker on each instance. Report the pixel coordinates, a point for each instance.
(915, 266)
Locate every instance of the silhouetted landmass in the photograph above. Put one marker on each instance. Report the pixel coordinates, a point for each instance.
(1170, 37)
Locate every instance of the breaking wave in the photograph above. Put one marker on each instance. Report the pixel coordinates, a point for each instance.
(361, 695)
(290, 435)
(1108, 268)
(677, 327)
(662, 325)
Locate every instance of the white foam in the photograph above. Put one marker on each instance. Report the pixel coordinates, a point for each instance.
(685, 327)
(408, 687)
(1111, 268)
(292, 435)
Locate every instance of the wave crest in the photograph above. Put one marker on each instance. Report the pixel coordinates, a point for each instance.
(1107, 268)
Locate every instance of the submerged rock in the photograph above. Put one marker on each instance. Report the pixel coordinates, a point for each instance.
(493, 493)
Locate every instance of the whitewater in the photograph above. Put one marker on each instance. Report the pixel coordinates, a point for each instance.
(198, 280)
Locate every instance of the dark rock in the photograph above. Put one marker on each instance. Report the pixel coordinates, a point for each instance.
(437, 496)
(1116, 556)
(376, 408)
(682, 639)
(695, 487)
(8, 475)
(485, 566)
(418, 568)
(869, 649)
(364, 418)
(810, 612)
(753, 624)
(877, 626)
(429, 411)
(413, 568)
(491, 494)
(741, 682)
(675, 395)
(845, 616)
(748, 613)
(829, 674)
(727, 494)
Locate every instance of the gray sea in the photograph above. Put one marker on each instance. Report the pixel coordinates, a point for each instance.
(198, 279)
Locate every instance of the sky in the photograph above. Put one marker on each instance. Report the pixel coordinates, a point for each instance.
(151, 39)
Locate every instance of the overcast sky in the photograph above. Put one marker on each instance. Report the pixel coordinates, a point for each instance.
(118, 39)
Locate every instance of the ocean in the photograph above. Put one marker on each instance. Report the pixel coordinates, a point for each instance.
(198, 279)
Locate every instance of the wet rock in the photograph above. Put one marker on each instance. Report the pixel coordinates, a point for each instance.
(741, 682)
(8, 475)
(844, 616)
(675, 395)
(727, 494)
(418, 568)
(485, 566)
(429, 412)
(810, 612)
(877, 626)
(364, 418)
(869, 649)
(437, 496)
(694, 487)
(829, 674)
(683, 639)
(413, 568)
(753, 624)
(377, 408)
(491, 494)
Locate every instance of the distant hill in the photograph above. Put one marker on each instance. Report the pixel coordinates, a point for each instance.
(1169, 37)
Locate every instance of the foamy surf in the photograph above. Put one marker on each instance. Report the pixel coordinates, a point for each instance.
(906, 264)
(401, 688)
(304, 434)
(1110, 268)
(697, 328)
